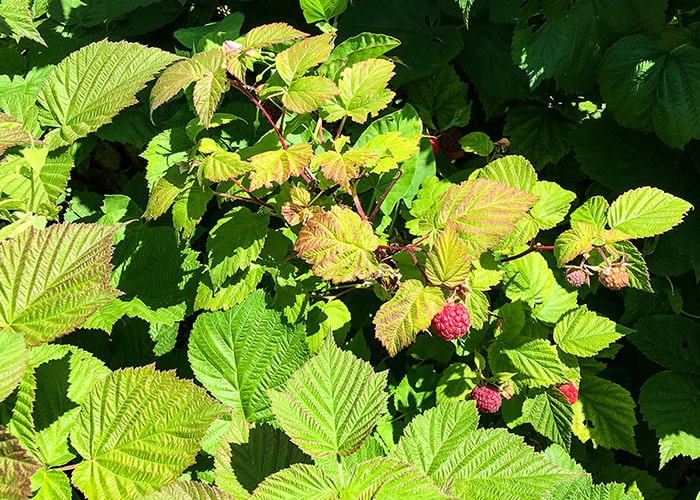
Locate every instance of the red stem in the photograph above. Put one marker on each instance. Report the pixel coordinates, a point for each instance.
(358, 205)
(420, 268)
(406, 248)
(537, 247)
(374, 213)
(252, 198)
(235, 82)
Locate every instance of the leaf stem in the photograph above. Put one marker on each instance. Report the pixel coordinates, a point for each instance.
(236, 83)
(65, 467)
(536, 247)
(406, 248)
(340, 128)
(391, 185)
(409, 251)
(358, 205)
(251, 197)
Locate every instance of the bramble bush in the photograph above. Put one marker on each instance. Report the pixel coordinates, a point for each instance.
(371, 250)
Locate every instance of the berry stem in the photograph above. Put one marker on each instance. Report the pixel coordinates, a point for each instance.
(409, 251)
(605, 257)
(358, 205)
(375, 211)
(406, 248)
(251, 197)
(534, 247)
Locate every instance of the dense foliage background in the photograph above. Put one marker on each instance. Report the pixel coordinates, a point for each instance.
(150, 224)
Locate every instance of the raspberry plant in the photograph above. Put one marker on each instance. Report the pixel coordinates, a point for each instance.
(223, 247)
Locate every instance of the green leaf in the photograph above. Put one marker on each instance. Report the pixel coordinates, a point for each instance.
(13, 362)
(539, 133)
(235, 242)
(167, 149)
(223, 165)
(322, 10)
(17, 16)
(331, 404)
(646, 211)
(210, 84)
(411, 310)
(550, 416)
(16, 467)
(51, 485)
(635, 265)
(553, 204)
(669, 402)
(189, 207)
(434, 440)
(648, 84)
(308, 93)
(203, 38)
(669, 341)
(134, 436)
(357, 48)
(604, 414)
(584, 333)
(295, 482)
(447, 262)
(456, 383)
(189, 490)
(12, 133)
(52, 280)
(512, 170)
(279, 165)
(240, 353)
(593, 211)
(270, 34)
(536, 362)
(342, 168)
(339, 245)
(530, 279)
(106, 76)
(231, 292)
(441, 100)
(293, 62)
(326, 318)
(477, 143)
(363, 91)
(574, 242)
(387, 478)
(502, 466)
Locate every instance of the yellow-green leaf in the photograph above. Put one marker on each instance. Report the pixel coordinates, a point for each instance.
(448, 263)
(308, 93)
(302, 56)
(278, 166)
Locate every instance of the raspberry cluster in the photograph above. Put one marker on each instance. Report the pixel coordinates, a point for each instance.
(488, 399)
(452, 322)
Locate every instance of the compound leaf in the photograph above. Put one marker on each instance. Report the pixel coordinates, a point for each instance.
(279, 165)
(339, 245)
(52, 280)
(88, 88)
(536, 362)
(137, 431)
(646, 211)
(331, 404)
(408, 312)
(238, 354)
(584, 333)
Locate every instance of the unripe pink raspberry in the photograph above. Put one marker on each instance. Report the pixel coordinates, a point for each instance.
(488, 399)
(576, 277)
(452, 322)
(570, 391)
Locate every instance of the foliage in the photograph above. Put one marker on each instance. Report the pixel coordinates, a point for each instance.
(224, 238)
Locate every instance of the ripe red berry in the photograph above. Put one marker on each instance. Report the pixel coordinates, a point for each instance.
(449, 142)
(435, 145)
(614, 277)
(488, 399)
(570, 391)
(452, 322)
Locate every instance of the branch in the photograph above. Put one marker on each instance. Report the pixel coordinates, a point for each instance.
(537, 247)
(374, 213)
(236, 83)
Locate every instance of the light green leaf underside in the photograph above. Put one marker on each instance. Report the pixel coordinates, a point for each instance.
(189, 490)
(16, 467)
(240, 353)
(408, 312)
(646, 211)
(433, 441)
(584, 333)
(134, 436)
(52, 280)
(610, 410)
(88, 88)
(447, 263)
(550, 416)
(331, 404)
(13, 362)
(339, 245)
(670, 402)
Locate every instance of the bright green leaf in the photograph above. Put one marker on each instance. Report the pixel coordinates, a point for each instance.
(477, 142)
(593, 211)
(308, 93)
(296, 482)
(357, 48)
(279, 165)
(553, 204)
(17, 16)
(189, 490)
(447, 262)
(51, 485)
(322, 10)
(387, 478)
(584, 333)
(574, 242)
(512, 170)
(223, 165)
(302, 56)
(13, 361)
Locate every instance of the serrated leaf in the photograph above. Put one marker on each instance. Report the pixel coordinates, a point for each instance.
(342, 168)
(240, 353)
(231, 292)
(189, 207)
(434, 440)
(16, 467)
(339, 245)
(536, 363)
(498, 464)
(574, 242)
(293, 62)
(669, 341)
(17, 16)
(363, 91)
(512, 170)
(278, 166)
(649, 84)
(322, 10)
(357, 48)
(669, 402)
(13, 362)
(106, 76)
(539, 133)
(331, 404)
(550, 416)
(456, 383)
(411, 310)
(635, 265)
(392, 148)
(295, 482)
(442, 96)
(605, 415)
(52, 280)
(308, 93)
(210, 84)
(584, 333)
(477, 142)
(12, 133)
(223, 165)
(189, 490)
(134, 436)
(447, 262)
(553, 204)
(646, 211)
(387, 478)
(51, 485)
(593, 211)
(174, 79)
(235, 242)
(270, 34)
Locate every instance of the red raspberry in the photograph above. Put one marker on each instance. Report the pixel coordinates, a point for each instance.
(435, 145)
(452, 322)
(449, 142)
(570, 391)
(488, 399)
